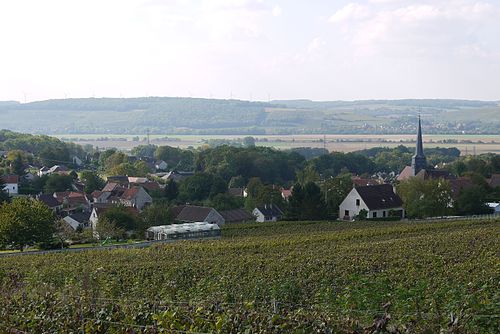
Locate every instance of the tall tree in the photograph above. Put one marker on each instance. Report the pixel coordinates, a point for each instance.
(4, 196)
(25, 222)
(92, 181)
(334, 191)
(425, 198)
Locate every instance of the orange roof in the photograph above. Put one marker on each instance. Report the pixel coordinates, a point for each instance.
(405, 174)
(10, 178)
(131, 193)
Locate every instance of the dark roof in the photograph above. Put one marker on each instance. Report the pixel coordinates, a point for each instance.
(49, 200)
(122, 179)
(379, 197)
(191, 213)
(81, 217)
(238, 192)
(459, 184)
(236, 215)
(270, 210)
(359, 181)
(434, 174)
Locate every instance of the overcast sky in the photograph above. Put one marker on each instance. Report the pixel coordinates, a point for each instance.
(250, 49)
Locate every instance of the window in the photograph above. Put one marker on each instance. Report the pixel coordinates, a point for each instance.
(357, 202)
(374, 215)
(346, 213)
(383, 213)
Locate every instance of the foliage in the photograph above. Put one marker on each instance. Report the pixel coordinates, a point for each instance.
(25, 222)
(155, 214)
(281, 277)
(171, 190)
(334, 191)
(176, 158)
(92, 181)
(472, 201)
(336, 162)
(425, 198)
(306, 202)
(225, 201)
(4, 195)
(122, 217)
(270, 165)
(201, 186)
(107, 228)
(56, 182)
(144, 151)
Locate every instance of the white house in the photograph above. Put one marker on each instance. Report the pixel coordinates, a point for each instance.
(379, 201)
(11, 184)
(161, 165)
(267, 213)
(495, 207)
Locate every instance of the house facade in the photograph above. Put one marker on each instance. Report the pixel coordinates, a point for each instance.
(379, 201)
(267, 213)
(11, 184)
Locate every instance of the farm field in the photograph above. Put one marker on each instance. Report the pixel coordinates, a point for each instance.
(345, 143)
(300, 277)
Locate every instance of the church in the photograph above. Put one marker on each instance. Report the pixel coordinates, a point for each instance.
(419, 167)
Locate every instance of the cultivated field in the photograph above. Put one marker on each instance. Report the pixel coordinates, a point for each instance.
(300, 277)
(468, 144)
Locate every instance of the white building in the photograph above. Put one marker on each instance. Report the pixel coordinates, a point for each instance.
(379, 201)
(495, 207)
(11, 184)
(267, 213)
(183, 231)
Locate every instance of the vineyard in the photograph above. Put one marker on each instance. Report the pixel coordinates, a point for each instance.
(299, 277)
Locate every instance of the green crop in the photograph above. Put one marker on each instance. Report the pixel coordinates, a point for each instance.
(286, 277)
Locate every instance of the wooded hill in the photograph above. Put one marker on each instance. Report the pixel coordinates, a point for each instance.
(175, 115)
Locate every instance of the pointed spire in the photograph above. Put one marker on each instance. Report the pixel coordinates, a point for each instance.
(418, 161)
(419, 150)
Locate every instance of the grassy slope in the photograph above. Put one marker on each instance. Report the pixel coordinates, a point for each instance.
(268, 277)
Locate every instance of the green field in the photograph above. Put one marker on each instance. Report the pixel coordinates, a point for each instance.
(299, 277)
(343, 143)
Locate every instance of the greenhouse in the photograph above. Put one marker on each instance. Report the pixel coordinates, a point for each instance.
(183, 231)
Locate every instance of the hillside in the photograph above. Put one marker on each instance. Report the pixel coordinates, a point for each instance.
(268, 278)
(169, 115)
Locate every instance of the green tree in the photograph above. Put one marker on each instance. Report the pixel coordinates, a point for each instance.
(144, 151)
(17, 165)
(425, 198)
(57, 182)
(226, 202)
(171, 190)
(92, 181)
(25, 222)
(4, 196)
(156, 214)
(472, 201)
(108, 229)
(306, 202)
(334, 191)
(122, 217)
(306, 175)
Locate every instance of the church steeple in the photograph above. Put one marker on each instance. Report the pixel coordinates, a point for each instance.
(418, 161)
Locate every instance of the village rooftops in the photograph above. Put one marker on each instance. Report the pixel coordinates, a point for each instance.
(49, 200)
(380, 196)
(192, 213)
(236, 215)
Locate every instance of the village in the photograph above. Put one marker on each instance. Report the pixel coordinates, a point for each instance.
(122, 206)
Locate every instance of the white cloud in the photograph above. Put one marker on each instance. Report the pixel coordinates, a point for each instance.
(351, 11)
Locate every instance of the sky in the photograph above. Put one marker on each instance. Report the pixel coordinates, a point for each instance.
(250, 49)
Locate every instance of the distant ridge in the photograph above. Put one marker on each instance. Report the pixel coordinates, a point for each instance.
(182, 115)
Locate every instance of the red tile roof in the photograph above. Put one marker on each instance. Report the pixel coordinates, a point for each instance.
(10, 178)
(131, 193)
